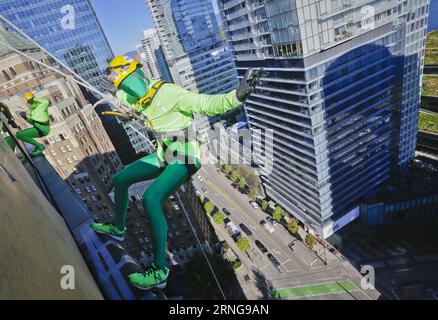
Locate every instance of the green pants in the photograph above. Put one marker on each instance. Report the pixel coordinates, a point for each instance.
(168, 180)
(27, 135)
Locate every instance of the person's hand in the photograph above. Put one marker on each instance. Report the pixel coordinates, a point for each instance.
(248, 83)
(23, 114)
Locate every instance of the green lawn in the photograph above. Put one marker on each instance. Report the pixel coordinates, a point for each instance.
(315, 290)
(430, 86)
(431, 55)
(428, 122)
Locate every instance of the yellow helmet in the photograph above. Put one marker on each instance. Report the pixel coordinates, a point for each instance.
(28, 96)
(121, 67)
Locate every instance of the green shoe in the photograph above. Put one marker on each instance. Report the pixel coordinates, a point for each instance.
(152, 277)
(110, 230)
(38, 151)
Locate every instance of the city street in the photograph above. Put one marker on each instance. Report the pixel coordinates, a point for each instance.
(298, 268)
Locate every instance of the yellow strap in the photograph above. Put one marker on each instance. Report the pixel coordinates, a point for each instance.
(151, 93)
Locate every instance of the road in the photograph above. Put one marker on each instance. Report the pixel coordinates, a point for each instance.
(299, 267)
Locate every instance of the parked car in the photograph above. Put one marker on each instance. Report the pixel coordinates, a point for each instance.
(267, 226)
(254, 204)
(225, 210)
(235, 186)
(274, 260)
(197, 192)
(245, 229)
(236, 236)
(227, 221)
(261, 246)
(271, 220)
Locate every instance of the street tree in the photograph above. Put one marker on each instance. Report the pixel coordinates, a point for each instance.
(227, 169)
(278, 214)
(292, 226)
(219, 217)
(208, 207)
(253, 193)
(243, 244)
(310, 241)
(265, 205)
(234, 176)
(242, 183)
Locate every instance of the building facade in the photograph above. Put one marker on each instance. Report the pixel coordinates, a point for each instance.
(152, 56)
(341, 94)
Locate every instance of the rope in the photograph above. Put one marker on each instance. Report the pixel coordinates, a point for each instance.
(82, 82)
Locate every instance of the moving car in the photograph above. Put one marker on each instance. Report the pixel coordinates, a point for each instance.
(254, 204)
(267, 226)
(225, 210)
(245, 229)
(274, 260)
(261, 246)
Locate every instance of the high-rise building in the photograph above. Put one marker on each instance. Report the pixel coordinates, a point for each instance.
(341, 93)
(68, 30)
(152, 56)
(197, 57)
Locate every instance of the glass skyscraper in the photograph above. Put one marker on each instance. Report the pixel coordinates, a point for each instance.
(197, 57)
(79, 42)
(341, 93)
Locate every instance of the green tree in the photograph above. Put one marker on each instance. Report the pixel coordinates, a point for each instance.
(278, 214)
(253, 193)
(208, 207)
(310, 241)
(265, 205)
(227, 169)
(234, 176)
(243, 244)
(218, 217)
(242, 183)
(292, 226)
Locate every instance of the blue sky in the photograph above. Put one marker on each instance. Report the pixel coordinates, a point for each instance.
(123, 22)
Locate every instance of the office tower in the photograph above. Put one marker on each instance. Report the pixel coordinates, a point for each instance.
(152, 56)
(70, 31)
(341, 93)
(196, 55)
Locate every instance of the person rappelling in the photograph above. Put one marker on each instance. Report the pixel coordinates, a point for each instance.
(168, 110)
(39, 120)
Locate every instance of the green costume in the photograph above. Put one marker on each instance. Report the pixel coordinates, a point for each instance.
(170, 111)
(39, 119)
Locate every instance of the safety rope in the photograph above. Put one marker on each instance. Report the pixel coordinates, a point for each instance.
(82, 82)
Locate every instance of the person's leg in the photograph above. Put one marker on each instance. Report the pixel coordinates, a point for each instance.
(28, 136)
(144, 169)
(157, 273)
(168, 182)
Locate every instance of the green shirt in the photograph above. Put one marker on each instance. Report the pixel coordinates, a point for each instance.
(173, 107)
(39, 110)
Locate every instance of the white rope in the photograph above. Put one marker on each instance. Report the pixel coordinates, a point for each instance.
(117, 104)
(201, 246)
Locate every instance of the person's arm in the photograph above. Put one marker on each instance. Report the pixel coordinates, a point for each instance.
(42, 103)
(205, 104)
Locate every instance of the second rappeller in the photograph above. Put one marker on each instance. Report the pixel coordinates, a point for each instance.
(39, 120)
